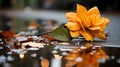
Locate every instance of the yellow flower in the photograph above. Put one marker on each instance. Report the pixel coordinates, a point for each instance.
(86, 23)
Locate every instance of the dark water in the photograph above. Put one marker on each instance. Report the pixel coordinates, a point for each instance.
(114, 54)
(33, 58)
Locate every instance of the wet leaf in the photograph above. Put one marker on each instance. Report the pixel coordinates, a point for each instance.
(7, 34)
(61, 33)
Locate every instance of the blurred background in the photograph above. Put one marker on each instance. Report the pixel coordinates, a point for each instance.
(36, 16)
(45, 15)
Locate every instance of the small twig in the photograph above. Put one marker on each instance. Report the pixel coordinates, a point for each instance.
(40, 34)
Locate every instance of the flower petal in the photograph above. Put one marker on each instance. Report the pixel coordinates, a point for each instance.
(95, 19)
(94, 10)
(105, 23)
(95, 28)
(82, 26)
(98, 33)
(89, 23)
(73, 26)
(75, 33)
(82, 14)
(81, 9)
(85, 20)
(72, 16)
(88, 36)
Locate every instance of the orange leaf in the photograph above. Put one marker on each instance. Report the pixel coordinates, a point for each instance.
(7, 34)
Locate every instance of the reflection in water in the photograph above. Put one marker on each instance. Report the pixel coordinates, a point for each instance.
(58, 54)
(21, 56)
(6, 65)
(44, 62)
(58, 57)
(56, 62)
(91, 56)
(118, 60)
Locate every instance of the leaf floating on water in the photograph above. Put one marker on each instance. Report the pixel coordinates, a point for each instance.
(61, 34)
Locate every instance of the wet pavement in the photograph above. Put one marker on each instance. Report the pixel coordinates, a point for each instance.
(46, 55)
(33, 58)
